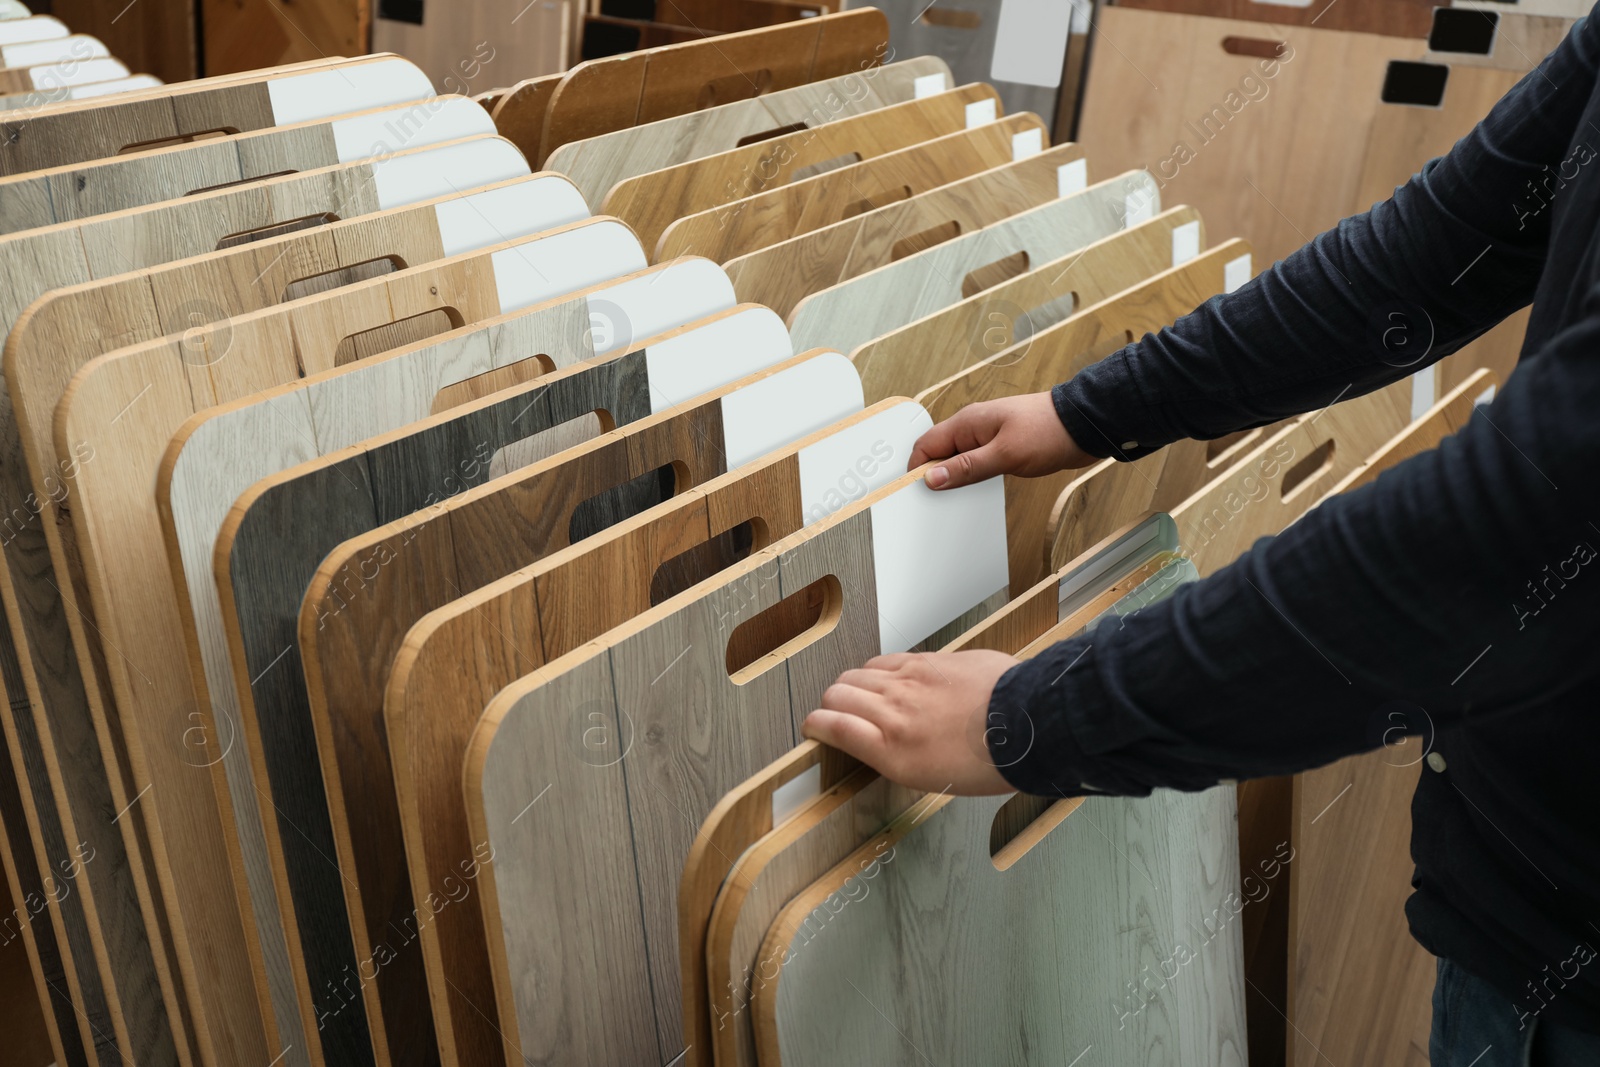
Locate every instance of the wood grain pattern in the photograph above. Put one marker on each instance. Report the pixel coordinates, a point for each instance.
(241, 35)
(900, 291)
(620, 91)
(596, 164)
(686, 733)
(108, 405)
(313, 507)
(651, 202)
(774, 215)
(1054, 355)
(1395, 18)
(1360, 986)
(23, 1001)
(519, 112)
(936, 346)
(460, 47)
(158, 38)
(1259, 146)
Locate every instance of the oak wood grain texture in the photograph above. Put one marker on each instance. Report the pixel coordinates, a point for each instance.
(159, 38)
(885, 297)
(66, 194)
(1054, 355)
(934, 347)
(96, 129)
(651, 202)
(596, 164)
(405, 470)
(51, 605)
(241, 35)
(774, 215)
(582, 590)
(1395, 18)
(132, 601)
(1359, 984)
(24, 1004)
(519, 112)
(464, 47)
(685, 736)
(1214, 124)
(616, 92)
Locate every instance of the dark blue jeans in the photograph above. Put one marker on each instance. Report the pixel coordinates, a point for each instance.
(1473, 1026)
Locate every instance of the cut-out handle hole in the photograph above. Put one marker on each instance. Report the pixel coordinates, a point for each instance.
(882, 198)
(1021, 823)
(992, 274)
(239, 182)
(491, 381)
(924, 240)
(397, 334)
(1305, 472)
(767, 135)
(1416, 84)
(799, 619)
(951, 18)
(640, 493)
(1255, 47)
(168, 142)
(339, 277)
(276, 229)
(1463, 30)
(547, 442)
(695, 565)
(735, 87)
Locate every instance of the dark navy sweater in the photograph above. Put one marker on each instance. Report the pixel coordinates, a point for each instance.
(1461, 588)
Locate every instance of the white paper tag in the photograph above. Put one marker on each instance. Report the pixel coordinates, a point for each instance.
(980, 113)
(792, 795)
(1185, 242)
(1027, 144)
(1072, 177)
(928, 85)
(1236, 273)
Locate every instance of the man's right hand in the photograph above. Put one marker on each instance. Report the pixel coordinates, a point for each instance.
(1019, 435)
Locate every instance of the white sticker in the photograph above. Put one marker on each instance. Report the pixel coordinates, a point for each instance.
(1185, 242)
(1072, 177)
(980, 113)
(793, 795)
(1424, 391)
(1137, 208)
(1030, 45)
(928, 85)
(1027, 144)
(1236, 273)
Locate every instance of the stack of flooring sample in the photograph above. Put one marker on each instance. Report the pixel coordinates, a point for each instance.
(43, 62)
(430, 519)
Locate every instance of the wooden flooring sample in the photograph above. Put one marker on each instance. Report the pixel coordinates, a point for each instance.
(598, 163)
(616, 92)
(1396, 18)
(1261, 146)
(652, 202)
(98, 129)
(858, 290)
(519, 111)
(50, 91)
(774, 215)
(70, 193)
(921, 353)
(404, 470)
(134, 606)
(689, 699)
(19, 61)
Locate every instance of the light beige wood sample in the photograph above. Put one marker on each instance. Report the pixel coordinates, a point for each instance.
(1056, 354)
(882, 293)
(96, 129)
(652, 202)
(616, 92)
(1360, 986)
(774, 215)
(941, 344)
(519, 111)
(463, 47)
(133, 603)
(711, 720)
(1260, 146)
(597, 164)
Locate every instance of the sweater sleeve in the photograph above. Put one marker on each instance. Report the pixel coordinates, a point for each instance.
(1381, 295)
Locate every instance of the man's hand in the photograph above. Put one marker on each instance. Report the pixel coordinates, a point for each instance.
(918, 719)
(1014, 435)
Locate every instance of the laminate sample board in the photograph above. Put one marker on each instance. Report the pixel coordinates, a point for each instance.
(598, 163)
(616, 92)
(1360, 986)
(721, 233)
(1396, 18)
(1056, 354)
(1261, 146)
(469, 45)
(18, 61)
(652, 202)
(67, 194)
(586, 988)
(53, 634)
(849, 285)
(947, 341)
(134, 606)
(94, 131)
(157, 37)
(519, 111)
(260, 615)
(51, 90)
